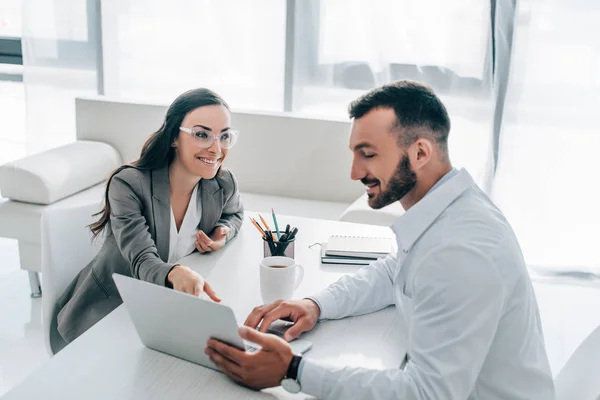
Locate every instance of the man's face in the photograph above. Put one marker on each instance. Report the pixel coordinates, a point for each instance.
(379, 163)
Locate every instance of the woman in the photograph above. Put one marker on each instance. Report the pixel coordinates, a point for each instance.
(173, 200)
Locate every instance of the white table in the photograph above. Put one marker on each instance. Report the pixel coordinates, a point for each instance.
(110, 362)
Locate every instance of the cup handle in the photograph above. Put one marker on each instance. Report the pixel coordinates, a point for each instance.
(299, 275)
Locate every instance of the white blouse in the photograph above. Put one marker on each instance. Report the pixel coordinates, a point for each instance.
(183, 242)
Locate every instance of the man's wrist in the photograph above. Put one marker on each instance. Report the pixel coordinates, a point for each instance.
(315, 305)
(290, 382)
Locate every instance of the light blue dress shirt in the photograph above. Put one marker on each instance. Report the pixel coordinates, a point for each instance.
(460, 282)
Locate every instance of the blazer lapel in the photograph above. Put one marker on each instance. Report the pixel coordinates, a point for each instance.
(211, 196)
(161, 204)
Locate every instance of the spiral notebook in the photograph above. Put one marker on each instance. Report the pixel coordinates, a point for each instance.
(359, 247)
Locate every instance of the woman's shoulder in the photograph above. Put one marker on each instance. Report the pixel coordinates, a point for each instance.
(227, 180)
(129, 172)
(130, 176)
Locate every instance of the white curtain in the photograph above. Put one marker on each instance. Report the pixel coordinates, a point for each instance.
(547, 176)
(361, 44)
(447, 34)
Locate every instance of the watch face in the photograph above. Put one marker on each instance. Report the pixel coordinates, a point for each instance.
(291, 385)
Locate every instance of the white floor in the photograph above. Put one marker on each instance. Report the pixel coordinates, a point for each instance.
(21, 341)
(569, 314)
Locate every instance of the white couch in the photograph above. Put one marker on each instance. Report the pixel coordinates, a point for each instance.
(298, 166)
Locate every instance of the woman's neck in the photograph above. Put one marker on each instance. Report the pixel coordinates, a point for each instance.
(180, 180)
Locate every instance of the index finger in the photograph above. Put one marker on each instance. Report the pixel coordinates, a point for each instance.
(257, 315)
(280, 312)
(211, 292)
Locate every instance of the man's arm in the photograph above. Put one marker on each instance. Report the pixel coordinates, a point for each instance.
(368, 290)
(457, 301)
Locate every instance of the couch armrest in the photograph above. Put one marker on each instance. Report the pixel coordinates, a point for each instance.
(52, 175)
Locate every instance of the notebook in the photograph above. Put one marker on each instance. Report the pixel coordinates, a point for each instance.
(359, 247)
(325, 259)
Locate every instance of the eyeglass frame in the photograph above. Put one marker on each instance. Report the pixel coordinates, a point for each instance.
(233, 132)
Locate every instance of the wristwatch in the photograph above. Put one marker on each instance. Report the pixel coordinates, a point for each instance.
(290, 382)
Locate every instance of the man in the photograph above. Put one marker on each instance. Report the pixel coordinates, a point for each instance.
(459, 278)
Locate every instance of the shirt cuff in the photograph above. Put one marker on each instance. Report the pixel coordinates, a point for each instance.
(300, 367)
(326, 302)
(311, 376)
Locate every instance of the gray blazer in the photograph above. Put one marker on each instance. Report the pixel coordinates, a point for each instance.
(137, 241)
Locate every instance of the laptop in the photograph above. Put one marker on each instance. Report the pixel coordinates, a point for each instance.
(179, 324)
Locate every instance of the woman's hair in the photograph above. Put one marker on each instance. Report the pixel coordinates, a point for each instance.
(158, 150)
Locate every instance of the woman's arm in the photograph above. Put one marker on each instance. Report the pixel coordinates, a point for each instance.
(233, 211)
(131, 230)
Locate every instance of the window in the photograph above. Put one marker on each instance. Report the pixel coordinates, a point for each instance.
(310, 57)
(12, 98)
(155, 50)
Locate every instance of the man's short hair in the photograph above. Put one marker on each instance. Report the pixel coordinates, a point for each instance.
(416, 107)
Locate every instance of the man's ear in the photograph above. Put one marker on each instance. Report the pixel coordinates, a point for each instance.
(420, 152)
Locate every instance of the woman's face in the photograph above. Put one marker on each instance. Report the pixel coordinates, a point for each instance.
(208, 122)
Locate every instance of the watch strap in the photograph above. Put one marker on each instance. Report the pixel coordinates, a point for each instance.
(292, 372)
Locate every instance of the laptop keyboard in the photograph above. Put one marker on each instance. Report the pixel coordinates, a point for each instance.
(250, 348)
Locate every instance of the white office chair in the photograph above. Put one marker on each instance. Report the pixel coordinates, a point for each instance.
(66, 249)
(580, 377)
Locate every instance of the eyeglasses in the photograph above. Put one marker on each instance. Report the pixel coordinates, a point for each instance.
(204, 139)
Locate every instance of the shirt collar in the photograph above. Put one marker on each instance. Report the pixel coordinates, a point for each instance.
(413, 223)
(444, 178)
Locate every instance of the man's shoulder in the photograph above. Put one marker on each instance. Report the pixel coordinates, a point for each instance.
(473, 216)
(472, 223)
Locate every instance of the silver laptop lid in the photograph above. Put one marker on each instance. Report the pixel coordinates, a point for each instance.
(176, 323)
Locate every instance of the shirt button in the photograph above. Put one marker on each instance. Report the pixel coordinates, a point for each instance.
(405, 251)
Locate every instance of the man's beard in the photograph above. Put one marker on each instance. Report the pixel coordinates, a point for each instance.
(402, 182)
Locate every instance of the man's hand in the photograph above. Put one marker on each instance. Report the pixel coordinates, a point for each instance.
(185, 280)
(263, 369)
(216, 240)
(303, 313)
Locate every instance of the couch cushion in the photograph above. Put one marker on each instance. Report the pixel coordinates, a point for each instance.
(52, 175)
(360, 212)
(21, 221)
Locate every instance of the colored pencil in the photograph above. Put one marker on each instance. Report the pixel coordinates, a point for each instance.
(275, 223)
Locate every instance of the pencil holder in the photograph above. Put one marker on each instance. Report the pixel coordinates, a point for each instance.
(285, 249)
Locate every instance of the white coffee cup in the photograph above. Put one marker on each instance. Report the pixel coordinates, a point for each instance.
(278, 278)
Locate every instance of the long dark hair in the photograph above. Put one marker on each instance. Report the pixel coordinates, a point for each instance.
(158, 150)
